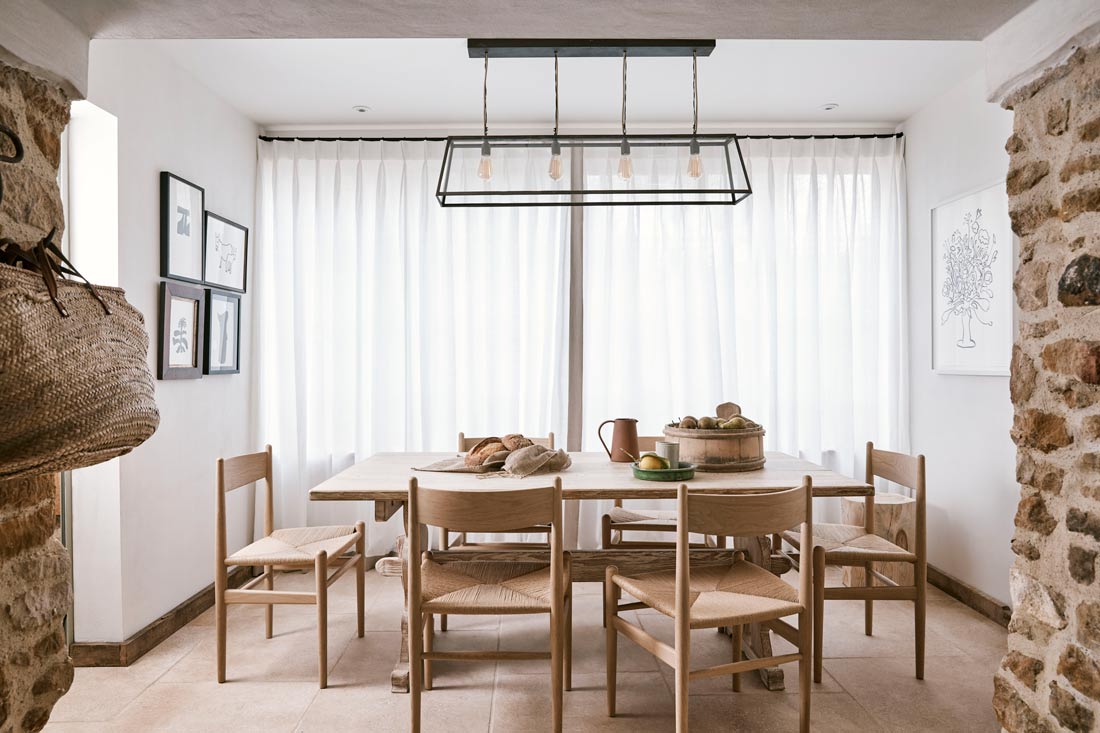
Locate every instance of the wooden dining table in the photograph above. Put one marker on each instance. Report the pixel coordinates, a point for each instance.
(384, 479)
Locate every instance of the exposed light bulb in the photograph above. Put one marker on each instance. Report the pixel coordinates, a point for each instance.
(555, 161)
(695, 160)
(626, 166)
(485, 165)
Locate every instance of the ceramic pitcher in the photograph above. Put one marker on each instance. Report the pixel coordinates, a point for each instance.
(624, 439)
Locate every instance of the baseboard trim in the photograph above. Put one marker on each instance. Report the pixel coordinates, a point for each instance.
(968, 595)
(125, 653)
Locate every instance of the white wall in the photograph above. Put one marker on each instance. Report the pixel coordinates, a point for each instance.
(168, 121)
(961, 423)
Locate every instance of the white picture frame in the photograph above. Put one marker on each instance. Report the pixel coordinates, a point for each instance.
(973, 259)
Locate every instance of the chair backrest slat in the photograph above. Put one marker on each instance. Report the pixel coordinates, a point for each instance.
(242, 470)
(897, 467)
(647, 443)
(465, 444)
(485, 511)
(743, 515)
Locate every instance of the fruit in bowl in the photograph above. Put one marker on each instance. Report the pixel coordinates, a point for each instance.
(652, 462)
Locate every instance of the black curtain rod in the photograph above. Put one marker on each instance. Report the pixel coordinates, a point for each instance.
(869, 136)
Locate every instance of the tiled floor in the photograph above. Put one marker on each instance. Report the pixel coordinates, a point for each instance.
(868, 683)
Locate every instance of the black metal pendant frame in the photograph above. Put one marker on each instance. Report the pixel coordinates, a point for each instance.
(552, 195)
(537, 48)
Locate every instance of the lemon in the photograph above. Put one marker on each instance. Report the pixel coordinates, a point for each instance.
(652, 462)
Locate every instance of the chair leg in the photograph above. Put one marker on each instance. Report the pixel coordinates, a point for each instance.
(920, 575)
(736, 639)
(446, 545)
(557, 662)
(611, 635)
(360, 576)
(320, 566)
(868, 604)
(269, 613)
(429, 634)
(683, 655)
(220, 581)
(819, 608)
(416, 666)
(804, 644)
(568, 630)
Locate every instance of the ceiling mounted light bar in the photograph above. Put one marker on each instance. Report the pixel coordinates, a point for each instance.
(614, 170)
(537, 48)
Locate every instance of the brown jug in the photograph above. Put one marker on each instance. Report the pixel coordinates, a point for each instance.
(624, 440)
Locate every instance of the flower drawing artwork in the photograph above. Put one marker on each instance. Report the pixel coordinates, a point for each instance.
(179, 336)
(968, 280)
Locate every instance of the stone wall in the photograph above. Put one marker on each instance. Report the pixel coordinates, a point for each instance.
(1050, 678)
(35, 669)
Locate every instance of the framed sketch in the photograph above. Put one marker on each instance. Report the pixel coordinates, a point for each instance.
(182, 309)
(222, 354)
(973, 255)
(226, 253)
(181, 218)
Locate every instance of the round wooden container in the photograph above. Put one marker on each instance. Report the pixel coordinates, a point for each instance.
(720, 450)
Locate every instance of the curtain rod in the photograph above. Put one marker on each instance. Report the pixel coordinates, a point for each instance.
(854, 136)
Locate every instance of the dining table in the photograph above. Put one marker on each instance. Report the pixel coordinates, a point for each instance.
(384, 479)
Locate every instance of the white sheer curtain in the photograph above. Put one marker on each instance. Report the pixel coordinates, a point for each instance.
(792, 304)
(386, 323)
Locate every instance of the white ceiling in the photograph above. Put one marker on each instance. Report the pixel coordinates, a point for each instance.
(432, 83)
(839, 19)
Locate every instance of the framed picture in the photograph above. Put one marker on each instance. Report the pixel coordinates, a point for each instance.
(182, 310)
(226, 253)
(181, 219)
(973, 256)
(222, 354)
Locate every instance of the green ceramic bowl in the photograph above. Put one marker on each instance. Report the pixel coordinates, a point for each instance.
(683, 473)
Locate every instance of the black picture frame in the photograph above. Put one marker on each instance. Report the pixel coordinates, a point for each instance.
(169, 333)
(212, 331)
(169, 239)
(209, 257)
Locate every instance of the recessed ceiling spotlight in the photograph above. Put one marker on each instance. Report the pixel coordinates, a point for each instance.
(830, 106)
(361, 108)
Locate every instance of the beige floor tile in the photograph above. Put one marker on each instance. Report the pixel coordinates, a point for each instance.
(971, 632)
(523, 703)
(99, 693)
(289, 656)
(831, 713)
(893, 632)
(207, 706)
(955, 695)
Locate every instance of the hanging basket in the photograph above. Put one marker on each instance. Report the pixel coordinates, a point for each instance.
(75, 386)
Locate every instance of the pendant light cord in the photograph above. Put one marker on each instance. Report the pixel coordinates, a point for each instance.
(485, 96)
(555, 92)
(624, 92)
(694, 92)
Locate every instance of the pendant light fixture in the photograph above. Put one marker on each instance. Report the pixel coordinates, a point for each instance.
(626, 164)
(555, 146)
(695, 156)
(485, 165)
(716, 173)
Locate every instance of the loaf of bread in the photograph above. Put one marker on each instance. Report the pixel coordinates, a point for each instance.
(480, 452)
(515, 441)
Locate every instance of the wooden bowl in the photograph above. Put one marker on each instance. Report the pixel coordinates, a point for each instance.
(719, 449)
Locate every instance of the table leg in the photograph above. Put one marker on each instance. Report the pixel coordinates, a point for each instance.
(758, 642)
(399, 678)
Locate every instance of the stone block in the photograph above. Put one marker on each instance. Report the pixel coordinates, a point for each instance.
(1080, 282)
(1026, 176)
(1032, 514)
(1070, 712)
(1081, 670)
(1030, 285)
(1026, 669)
(1013, 712)
(1042, 430)
(1083, 522)
(1075, 357)
(1021, 384)
(1082, 565)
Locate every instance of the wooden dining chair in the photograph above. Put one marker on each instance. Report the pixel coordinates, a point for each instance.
(853, 546)
(722, 595)
(337, 548)
(460, 541)
(619, 520)
(487, 587)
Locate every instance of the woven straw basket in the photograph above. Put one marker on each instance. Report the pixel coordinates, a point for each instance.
(76, 390)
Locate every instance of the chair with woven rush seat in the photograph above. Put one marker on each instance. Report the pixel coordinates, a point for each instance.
(847, 545)
(465, 444)
(715, 596)
(486, 587)
(338, 548)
